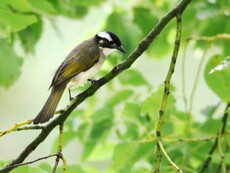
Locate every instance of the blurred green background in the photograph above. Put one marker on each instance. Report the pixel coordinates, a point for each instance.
(36, 36)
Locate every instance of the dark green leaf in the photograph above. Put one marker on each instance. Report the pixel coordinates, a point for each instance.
(10, 65)
(30, 36)
(144, 19)
(118, 23)
(69, 8)
(211, 126)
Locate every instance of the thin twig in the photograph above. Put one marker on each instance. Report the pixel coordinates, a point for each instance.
(183, 77)
(212, 38)
(27, 163)
(59, 150)
(160, 147)
(15, 127)
(196, 79)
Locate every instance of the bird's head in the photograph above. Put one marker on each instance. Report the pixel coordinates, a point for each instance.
(108, 42)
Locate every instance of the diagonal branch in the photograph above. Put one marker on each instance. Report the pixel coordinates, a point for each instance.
(142, 46)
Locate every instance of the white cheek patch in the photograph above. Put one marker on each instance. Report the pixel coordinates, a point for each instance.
(105, 35)
(107, 51)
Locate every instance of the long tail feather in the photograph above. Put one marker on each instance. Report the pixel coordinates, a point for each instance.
(50, 106)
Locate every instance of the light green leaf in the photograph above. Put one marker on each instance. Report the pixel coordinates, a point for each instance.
(132, 111)
(128, 153)
(24, 169)
(10, 65)
(218, 81)
(121, 96)
(102, 123)
(14, 22)
(225, 63)
(45, 166)
(227, 158)
(102, 151)
(88, 2)
(37, 170)
(42, 7)
(132, 77)
(16, 5)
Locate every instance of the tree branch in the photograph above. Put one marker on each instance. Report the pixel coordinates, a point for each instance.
(142, 46)
(160, 148)
(215, 145)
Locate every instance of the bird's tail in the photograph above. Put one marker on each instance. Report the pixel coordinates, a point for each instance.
(50, 106)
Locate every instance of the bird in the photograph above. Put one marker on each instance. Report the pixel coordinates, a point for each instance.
(80, 65)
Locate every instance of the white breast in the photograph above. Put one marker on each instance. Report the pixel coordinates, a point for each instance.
(81, 78)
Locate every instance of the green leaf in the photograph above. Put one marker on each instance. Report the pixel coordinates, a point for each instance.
(88, 3)
(211, 109)
(102, 123)
(42, 7)
(24, 169)
(118, 23)
(102, 152)
(69, 8)
(37, 170)
(19, 6)
(46, 167)
(132, 111)
(219, 80)
(30, 36)
(151, 106)
(144, 19)
(14, 22)
(10, 65)
(120, 96)
(225, 63)
(209, 30)
(132, 77)
(162, 45)
(128, 153)
(227, 158)
(211, 126)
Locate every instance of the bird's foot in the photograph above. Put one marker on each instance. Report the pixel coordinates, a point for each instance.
(92, 81)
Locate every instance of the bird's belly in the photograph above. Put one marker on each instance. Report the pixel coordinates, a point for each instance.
(81, 78)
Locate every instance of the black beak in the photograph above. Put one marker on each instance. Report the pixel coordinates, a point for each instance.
(120, 48)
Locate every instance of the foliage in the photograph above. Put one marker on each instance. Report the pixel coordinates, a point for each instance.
(121, 131)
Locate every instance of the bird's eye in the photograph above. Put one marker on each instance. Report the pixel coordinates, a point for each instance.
(111, 42)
